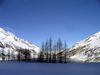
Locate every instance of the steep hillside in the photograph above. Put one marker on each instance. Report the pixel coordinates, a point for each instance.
(87, 50)
(9, 43)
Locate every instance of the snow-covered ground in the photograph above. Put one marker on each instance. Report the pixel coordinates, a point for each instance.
(10, 44)
(27, 68)
(87, 50)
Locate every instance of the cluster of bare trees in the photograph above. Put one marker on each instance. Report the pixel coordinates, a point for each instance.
(5, 56)
(23, 55)
(53, 52)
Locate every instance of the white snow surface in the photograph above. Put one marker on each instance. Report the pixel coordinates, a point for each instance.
(89, 44)
(23, 68)
(93, 41)
(79, 57)
(9, 39)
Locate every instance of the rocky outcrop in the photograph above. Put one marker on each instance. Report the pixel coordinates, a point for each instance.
(87, 50)
(9, 44)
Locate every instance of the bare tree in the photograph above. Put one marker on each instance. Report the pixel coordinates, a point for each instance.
(60, 48)
(65, 46)
(8, 55)
(33, 56)
(43, 52)
(46, 50)
(54, 55)
(3, 55)
(19, 55)
(50, 47)
(12, 55)
(40, 56)
(57, 50)
(26, 53)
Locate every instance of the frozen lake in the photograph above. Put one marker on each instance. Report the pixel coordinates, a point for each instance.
(28, 68)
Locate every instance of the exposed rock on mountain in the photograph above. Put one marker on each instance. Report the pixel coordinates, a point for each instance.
(87, 50)
(9, 44)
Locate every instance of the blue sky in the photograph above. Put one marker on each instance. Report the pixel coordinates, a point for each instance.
(37, 20)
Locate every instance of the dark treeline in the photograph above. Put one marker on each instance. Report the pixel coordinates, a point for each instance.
(23, 55)
(51, 52)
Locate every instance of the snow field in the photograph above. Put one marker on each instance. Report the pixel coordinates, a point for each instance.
(27, 68)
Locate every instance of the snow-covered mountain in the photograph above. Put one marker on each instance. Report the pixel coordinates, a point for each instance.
(10, 43)
(87, 50)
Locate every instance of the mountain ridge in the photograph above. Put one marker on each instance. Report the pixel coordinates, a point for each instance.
(87, 50)
(8, 41)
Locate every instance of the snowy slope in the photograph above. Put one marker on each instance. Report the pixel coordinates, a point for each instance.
(87, 50)
(8, 41)
(23, 68)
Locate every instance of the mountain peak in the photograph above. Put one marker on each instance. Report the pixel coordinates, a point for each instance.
(97, 34)
(8, 41)
(1, 30)
(87, 50)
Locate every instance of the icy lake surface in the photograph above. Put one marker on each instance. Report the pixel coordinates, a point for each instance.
(28, 68)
